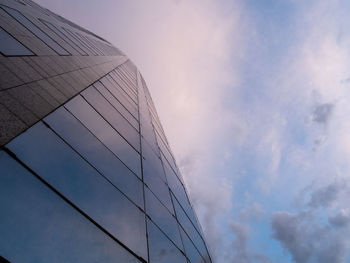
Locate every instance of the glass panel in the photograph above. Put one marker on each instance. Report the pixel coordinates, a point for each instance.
(113, 117)
(158, 187)
(161, 216)
(126, 89)
(38, 226)
(116, 104)
(154, 164)
(62, 168)
(83, 141)
(35, 30)
(72, 35)
(191, 252)
(113, 88)
(105, 133)
(189, 228)
(161, 250)
(179, 192)
(9, 46)
(64, 37)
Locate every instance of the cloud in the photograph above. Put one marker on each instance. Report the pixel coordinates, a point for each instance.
(322, 113)
(239, 250)
(325, 196)
(342, 219)
(306, 240)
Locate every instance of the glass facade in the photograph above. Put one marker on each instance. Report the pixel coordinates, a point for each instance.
(86, 171)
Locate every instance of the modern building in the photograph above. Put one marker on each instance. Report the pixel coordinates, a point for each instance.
(86, 172)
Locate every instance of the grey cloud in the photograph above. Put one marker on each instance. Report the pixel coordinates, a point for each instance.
(253, 212)
(322, 112)
(325, 196)
(342, 219)
(239, 251)
(306, 240)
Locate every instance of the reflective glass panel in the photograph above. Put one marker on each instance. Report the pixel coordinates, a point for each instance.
(38, 226)
(153, 160)
(189, 228)
(83, 141)
(116, 91)
(64, 37)
(161, 216)
(9, 46)
(35, 30)
(111, 115)
(116, 104)
(62, 168)
(161, 249)
(105, 133)
(158, 187)
(191, 252)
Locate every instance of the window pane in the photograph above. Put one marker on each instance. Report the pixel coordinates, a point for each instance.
(104, 132)
(35, 30)
(189, 228)
(62, 168)
(82, 140)
(161, 250)
(64, 37)
(158, 187)
(9, 46)
(161, 216)
(118, 93)
(110, 114)
(116, 104)
(38, 226)
(154, 163)
(191, 252)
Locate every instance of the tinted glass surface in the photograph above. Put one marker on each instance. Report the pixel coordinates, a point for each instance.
(191, 252)
(189, 228)
(118, 93)
(117, 105)
(35, 30)
(105, 133)
(161, 216)
(9, 46)
(112, 116)
(154, 164)
(64, 37)
(62, 168)
(82, 140)
(161, 249)
(38, 226)
(158, 187)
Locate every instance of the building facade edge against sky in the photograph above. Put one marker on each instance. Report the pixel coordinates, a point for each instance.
(61, 87)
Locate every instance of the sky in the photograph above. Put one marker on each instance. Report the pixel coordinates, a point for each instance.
(253, 97)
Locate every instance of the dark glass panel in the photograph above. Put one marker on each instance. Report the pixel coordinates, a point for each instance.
(189, 228)
(190, 250)
(83, 141)
(105, 133)
(158, 187)
(38, 226)
(118, 93)
(64, 37)
(117, 105)
(161, 249)
(35, 30)
(9, 46)
(179, 192)
(111, 115)
(62, 168)
(161, 216)
(154, 164)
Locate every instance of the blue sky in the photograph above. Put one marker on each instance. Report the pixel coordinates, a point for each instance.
(253, 96)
